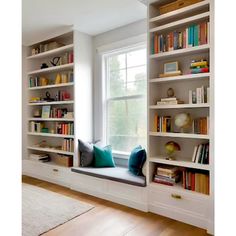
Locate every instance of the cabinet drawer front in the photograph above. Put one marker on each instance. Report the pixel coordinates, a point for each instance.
(178, 200)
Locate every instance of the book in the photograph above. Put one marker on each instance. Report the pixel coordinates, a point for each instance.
(170, 102)
(46, 111)
(190, 96)
(168, 99)
(194, 153)
(168, 169)
(198, 155)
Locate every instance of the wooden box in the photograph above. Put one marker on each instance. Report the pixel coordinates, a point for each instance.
(176, 5)
(63, 160)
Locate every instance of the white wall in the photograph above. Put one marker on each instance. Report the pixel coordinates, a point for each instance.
(110, 37)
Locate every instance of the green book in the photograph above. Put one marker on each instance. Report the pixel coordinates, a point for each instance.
(196, 35)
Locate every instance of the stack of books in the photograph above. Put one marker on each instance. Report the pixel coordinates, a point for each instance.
(168, 175)
(200, 95)
(194, 35)
(36, 126)
(200, 125)
(169, 101)
(199, 66)
(162, 123)
(201, 153)
(39, 157)
(196, 181)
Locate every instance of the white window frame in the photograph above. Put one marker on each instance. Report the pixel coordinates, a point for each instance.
(105, 55)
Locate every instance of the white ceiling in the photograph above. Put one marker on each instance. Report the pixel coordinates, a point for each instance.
(41, 17)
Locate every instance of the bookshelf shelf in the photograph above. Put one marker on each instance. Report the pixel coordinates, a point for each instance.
(183, 11)
(187, 77)
(180, 106)
(52, 69)
(52, 86)
(50, 119)
(52, 150)
(51, 135)
(162, 160)
(52, 52)
(182, 22)
(181, 52)
(50, 103)
(179, 135)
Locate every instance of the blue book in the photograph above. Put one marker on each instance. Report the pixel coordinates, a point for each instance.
(175, 40)
(195, 35)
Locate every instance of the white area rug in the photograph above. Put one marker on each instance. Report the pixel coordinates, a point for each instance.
(43, 210)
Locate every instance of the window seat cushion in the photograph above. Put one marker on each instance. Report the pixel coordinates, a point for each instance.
(119, 174)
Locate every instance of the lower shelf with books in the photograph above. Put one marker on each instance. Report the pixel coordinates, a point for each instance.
(195, 180)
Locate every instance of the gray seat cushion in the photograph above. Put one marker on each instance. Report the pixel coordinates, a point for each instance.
(119, 174)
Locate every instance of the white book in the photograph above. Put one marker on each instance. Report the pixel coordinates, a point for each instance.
(202, 94)
(168, 99)
(32, 126)
(208, 95)
(194, 153)
(190, 96)
(187, 38)
(199, 96)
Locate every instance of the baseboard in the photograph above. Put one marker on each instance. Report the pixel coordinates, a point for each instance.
(210, 227)
(136, 205)
(183, 216)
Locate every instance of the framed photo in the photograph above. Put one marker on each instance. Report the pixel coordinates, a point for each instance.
(171, 67)
(46, 112)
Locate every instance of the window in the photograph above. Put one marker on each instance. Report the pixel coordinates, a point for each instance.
(126, 116)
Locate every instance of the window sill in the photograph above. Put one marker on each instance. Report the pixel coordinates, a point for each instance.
(121, 155)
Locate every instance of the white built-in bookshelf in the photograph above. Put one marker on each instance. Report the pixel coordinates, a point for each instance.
(163, 196)
(69, 85)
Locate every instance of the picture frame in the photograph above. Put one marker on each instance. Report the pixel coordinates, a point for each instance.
(171, 67)
(46, 112)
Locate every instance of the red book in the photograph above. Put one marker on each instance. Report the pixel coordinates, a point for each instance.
(163, 182)
(63, 128)
(184, 39)
(172, 41)
(155, 43)
(184, 179)
(193, 182)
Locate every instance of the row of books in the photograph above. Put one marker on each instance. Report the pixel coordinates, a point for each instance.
(195, 181)
(200, 125)
(36, 126)
(194, 35)
(38, 81)
(62, 96)
(168, 175)
(200, 95)
(162, 123)
(201, 153)
(61, 113)
(65, 128)
(68, 57)
(68, 145)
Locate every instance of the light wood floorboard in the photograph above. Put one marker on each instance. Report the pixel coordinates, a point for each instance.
(111, 219)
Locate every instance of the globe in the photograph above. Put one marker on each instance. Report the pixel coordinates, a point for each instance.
(183, 120)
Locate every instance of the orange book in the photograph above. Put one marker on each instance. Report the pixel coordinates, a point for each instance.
(164, 124)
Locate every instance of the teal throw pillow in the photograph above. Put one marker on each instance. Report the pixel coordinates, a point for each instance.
(103, 157)
(136, 160)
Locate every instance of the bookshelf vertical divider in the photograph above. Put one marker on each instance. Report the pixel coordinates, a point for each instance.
(195, 208)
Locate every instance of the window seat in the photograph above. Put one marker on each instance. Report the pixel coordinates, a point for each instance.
(119, 174)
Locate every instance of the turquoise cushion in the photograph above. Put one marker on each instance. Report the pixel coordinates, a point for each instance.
(136, 160)
(103, 157)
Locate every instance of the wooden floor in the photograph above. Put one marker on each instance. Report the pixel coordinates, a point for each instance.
(111, 219)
